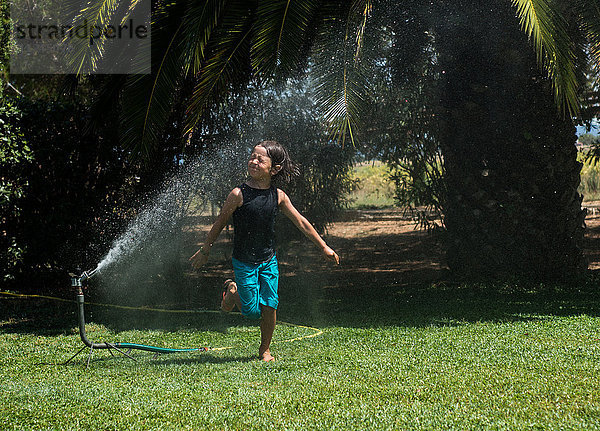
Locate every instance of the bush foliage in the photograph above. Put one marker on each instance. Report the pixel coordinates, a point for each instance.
(61, 187)
(15, 159)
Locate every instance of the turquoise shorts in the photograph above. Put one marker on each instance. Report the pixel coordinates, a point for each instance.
(256, 285)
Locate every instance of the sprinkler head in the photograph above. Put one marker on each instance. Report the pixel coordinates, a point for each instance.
(88, 274)
(77, 280)
(76, 283)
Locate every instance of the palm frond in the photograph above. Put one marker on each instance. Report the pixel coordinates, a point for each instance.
(180, 34)
(200, 21)
(589, 11)
(149, 98)
(106, 100)
(367, 9)
(227, 63)
(341, 80)
(132, 6)
(547, 28)
(84, 56)
(280, 30)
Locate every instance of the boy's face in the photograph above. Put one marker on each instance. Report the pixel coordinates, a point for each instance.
(260, 164)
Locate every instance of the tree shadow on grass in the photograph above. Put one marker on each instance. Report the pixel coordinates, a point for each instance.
(360, 300)
(37, 316)
(401, 280)
(370, 300)
(165, 321)
(48, 317)
(384, 280)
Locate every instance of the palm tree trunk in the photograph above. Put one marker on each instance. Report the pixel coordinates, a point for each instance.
(512, 206)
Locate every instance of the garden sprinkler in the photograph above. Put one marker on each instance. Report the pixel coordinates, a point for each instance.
(86, 275)
(77, 282)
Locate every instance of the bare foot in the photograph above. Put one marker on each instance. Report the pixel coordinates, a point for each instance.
(266, 356)
(229, 290)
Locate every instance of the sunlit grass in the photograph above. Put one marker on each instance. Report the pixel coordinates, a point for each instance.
(590, 180)
(375, 188)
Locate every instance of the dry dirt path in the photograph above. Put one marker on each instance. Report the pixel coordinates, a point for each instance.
(384, 243)
(377, 249)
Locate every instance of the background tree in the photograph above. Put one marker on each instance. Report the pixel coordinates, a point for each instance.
(233, 42)
(511, 167)
(403, 113)
(62, 183)
(14, 155)
(588, 139)
(4, 45)
(510, 174)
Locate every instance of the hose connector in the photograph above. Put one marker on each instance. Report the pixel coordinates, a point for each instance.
(76, 283)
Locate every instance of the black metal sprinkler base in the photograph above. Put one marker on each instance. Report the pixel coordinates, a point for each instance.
(77, 284)
(109, 347)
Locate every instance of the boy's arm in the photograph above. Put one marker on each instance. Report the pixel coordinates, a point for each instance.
(233, 201)
(286, 207)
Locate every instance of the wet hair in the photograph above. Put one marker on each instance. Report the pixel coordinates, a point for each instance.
(280, 156)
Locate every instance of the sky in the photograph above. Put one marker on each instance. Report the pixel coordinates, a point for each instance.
(595, 129)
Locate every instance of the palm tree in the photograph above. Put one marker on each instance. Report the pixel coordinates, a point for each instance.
(223, 43)
(203, 50)
(220, 45)
(511, 170)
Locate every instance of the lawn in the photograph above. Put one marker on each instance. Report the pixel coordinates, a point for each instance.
(443, 356)
(402, 347)
(375, 189)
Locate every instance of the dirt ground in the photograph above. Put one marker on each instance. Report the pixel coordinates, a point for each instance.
(591, 246)
(397, 245)
(377, 248)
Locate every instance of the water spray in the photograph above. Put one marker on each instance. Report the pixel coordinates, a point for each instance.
(77, 282)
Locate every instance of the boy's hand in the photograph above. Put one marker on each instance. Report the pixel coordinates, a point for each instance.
(331, 255)
(198, 259)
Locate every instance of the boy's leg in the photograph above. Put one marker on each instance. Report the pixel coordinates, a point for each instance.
(269, 300)
(248, 288)
(267, 327)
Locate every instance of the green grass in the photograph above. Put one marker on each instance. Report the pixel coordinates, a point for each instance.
(375, 188)
(589, 186)
(590, 181)
(424, 357)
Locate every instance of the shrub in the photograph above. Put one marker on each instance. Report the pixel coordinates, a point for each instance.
(590, 179)
(15, 160)
(63, 194)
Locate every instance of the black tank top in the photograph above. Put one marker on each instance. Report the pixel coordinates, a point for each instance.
(254, 225)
